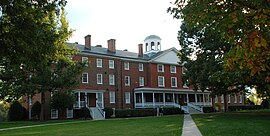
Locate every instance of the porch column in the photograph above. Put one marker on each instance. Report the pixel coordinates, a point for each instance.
(173, 99)
(85, 99)
(203, 99)
(79, 99)
(134, 100)
(164, 99)
(153, 99)
(142, 100)
(102, 98)
(187, 99)
(196, 98)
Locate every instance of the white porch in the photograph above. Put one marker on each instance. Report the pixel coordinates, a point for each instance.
(88, 99)
(173, 98)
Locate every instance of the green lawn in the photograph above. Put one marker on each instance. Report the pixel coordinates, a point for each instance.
(149, 126)
(244, 123)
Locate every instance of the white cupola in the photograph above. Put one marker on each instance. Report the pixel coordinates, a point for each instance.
(152, 44)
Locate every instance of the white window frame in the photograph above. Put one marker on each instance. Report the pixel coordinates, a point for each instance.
(222, 98)
(140, 66)
(141, 81)
(85, 59)
(54, 114)
(240, 98)
(127, 78)
(162, 68)
(235, 98)
(126, 65)
(163, 81)
(101, 79)
(111, 79)
(216, 99)
(69, 113)
(173, 69)
(174, 78)
(99, 63)
(112, 97)
(111, 64)
(86, 78)
(127, 97)
(229, 98)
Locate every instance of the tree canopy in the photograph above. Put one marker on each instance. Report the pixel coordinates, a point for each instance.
(244, 24)
(34, 56)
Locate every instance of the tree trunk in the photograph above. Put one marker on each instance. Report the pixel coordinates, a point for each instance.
(42, 114)
(225, 102)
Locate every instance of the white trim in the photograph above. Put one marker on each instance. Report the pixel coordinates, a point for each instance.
(127, 78)
(86, 78)
(175, 81)
(163, 80)
(111, 79)
(140, 66)
(222, 98)
(101, 79)
(127, 97)
(229, 98)
(126, 65)
(141, 81)
(54, 114)
(99, 63)
(173, 66)
(162, 67)
(69, 113)
(111, 64)
(112, 97)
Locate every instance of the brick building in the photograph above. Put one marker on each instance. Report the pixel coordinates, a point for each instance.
(124, 80)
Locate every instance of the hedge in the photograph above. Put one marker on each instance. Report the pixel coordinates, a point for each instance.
(251, 107)
(208, 109)
(124, 113)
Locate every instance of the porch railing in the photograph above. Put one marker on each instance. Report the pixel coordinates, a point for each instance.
(79, 105)
(156, 104)
(197, 107)
(99, 107)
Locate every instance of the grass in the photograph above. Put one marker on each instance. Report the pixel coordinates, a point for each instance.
(244, 123)
(150, 126)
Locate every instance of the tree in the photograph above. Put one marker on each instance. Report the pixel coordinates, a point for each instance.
(33, 36)
(61, 100)
(244, 24)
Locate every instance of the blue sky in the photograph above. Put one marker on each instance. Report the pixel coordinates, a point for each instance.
(127, 21)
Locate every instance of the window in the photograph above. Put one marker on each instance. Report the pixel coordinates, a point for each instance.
(141, 81)
(69, 113)
(85, 61)
(140, 67)
(235, 99)
(240, 98)
(99, 63)
(85, 78)
(126, 65)
(127, 96)
(111, 64)
(54, 114)
(160, 68)
(112, 97)
(174, 81)
(161, 81)
(152, 45)
(173, 69)
(229, 98)
(222, 98)
(216, 99)
(111, 80)
(146, 47)
(99, 79)
(127, 81)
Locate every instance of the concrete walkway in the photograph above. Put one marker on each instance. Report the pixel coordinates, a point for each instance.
(190, 128)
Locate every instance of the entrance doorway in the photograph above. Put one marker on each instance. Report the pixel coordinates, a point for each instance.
(91, 99)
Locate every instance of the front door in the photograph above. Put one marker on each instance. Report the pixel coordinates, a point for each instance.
(91, 99)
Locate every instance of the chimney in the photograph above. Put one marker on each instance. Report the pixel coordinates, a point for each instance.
(111, 45)
(88, 42)
(140, 50)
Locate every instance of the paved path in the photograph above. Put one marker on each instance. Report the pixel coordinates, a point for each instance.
(190, 128)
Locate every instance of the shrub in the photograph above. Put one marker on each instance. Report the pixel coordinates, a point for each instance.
(251, 107)
(208, 109)
(84, 113)
(172, 111)
(3, 112)
(108, 112)
(123, 113)
(36, 109)
(17, 112)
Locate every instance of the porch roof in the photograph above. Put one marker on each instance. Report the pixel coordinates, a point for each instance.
(168, 90)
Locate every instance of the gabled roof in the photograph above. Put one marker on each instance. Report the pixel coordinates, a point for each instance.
(120, 53)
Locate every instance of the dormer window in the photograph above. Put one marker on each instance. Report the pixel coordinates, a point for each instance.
(146, 47)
